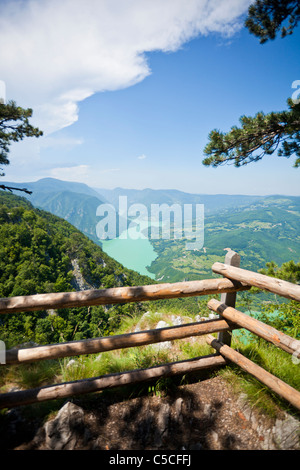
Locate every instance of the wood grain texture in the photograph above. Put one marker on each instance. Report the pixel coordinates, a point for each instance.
(267, 332)
(277, 286)
(97, 345)
(274, 383)
(117, 295)
(95, 384)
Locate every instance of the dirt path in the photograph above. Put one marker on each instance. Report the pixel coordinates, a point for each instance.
(199, 416)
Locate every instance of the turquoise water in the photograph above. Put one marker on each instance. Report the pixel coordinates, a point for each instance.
(133, 250)
(243, 335)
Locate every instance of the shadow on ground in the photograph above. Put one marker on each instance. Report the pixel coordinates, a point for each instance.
(196, 416)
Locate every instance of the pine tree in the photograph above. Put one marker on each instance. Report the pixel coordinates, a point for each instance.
(14, 126)
(266, 17)
(262, 134)
(258, 136)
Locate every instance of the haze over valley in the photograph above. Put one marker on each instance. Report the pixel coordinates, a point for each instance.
(260, 228)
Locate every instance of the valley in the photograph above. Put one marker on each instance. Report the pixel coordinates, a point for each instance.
(259, 228)
(264, 231)
(41, 253)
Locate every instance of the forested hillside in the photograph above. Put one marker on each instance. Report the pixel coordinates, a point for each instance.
(74, 202)
(41, 253)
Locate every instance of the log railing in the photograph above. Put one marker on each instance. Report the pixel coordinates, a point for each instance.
(234, 280)
(276, 286)
(116, 295)
(129, 340)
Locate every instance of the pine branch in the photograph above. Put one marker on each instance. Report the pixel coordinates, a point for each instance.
(266, 132)
(10, 188)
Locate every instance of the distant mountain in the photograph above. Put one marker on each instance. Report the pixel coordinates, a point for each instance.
(77, 208)
(260, 228)
(212, 202)
(75, 202)
(52, 185)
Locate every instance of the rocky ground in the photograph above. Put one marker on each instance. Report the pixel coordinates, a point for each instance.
(205, 414)
(199, 416)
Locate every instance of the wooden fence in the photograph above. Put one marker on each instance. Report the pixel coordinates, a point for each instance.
(234, 280)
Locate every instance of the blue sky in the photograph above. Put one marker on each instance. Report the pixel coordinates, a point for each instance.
(142, 119)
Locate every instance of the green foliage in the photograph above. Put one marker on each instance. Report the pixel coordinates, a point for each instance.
(36, 254)
(113, 362)
(262, 231)
(14, 126)
(266, 17)
(258, 136)
(289, 271)
(272, 359)
(262, 134)
(36, 374)
(284, 316)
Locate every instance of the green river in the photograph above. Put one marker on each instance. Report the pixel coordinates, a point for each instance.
(136, 254)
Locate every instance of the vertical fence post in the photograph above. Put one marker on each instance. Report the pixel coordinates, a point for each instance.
(233, 259)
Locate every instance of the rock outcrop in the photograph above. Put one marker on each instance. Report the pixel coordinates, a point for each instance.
(199, 416)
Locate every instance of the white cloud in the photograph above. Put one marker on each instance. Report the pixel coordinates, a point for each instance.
(142, 157)
(83, 173)
(60, 142)
(2, 92)
(108, 170)
(57, 53)
(73, 173)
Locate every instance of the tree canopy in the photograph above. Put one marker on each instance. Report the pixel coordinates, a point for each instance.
(266, 17)
(262, 134)
(258, 136)
(36, 254)
(14, 126)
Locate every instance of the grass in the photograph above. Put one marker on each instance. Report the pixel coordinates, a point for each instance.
(112, 362)
(29, 375)
(274, 360)
(70, 369)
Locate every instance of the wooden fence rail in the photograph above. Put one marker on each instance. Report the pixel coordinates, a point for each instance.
(281, 340)
(275, 384)
(97, 345)
(235, 279)
(116, 295)
(96, 384)
(276, 286)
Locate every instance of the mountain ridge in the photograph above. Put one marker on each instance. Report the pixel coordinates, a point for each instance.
(260, 228)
